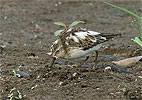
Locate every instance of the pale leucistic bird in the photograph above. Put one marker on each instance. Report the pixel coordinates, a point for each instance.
(77, 42)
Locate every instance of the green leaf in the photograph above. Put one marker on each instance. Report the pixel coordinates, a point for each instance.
(58, 32)
(74, 65)
(12, 90)
(10, 95)
(138, 41)
(123, 9)
(14, 72)
(75, 23)
(126, 86)
(139, 22)
(139, 27)
(19, 95)
(60, 24)
(33, 87)
(11, 98)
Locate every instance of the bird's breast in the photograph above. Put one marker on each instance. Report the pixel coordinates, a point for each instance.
(75, 53)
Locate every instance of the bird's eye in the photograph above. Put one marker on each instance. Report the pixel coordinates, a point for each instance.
(57, 51)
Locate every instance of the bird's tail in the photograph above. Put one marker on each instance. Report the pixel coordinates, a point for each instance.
(109, 35)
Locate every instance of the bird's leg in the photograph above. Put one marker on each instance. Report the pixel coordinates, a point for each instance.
(52, 62)
(96, 58)
(87, 57)
(84, 60)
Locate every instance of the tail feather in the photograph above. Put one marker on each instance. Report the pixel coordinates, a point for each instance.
(109, 35)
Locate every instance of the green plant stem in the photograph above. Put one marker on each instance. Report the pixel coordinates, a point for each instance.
(123, 9)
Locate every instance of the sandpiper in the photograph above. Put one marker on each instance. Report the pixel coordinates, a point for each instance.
(77, 42)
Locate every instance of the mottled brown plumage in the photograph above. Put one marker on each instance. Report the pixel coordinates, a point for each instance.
(77, 42)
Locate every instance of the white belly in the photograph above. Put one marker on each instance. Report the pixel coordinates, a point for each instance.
(78, 53)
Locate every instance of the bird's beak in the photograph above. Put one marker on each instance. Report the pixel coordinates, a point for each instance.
(52, 62)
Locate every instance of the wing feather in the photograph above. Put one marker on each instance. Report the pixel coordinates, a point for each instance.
(82, 38)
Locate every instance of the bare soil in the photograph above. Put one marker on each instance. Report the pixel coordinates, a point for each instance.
(26, 33)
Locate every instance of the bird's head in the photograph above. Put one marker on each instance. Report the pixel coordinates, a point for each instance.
(57, 50)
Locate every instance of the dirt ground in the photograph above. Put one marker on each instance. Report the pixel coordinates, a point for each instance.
(26, 33)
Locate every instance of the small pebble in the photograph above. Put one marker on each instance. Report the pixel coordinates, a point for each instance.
(139, 76)
(56, 5)
(22, 74)
(60, 83)
(74, 74)
(59, 3)
(108, 68)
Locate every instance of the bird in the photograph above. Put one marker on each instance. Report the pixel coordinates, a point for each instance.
(77, 42)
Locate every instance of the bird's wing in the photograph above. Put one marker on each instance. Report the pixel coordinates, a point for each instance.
(84, 39)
